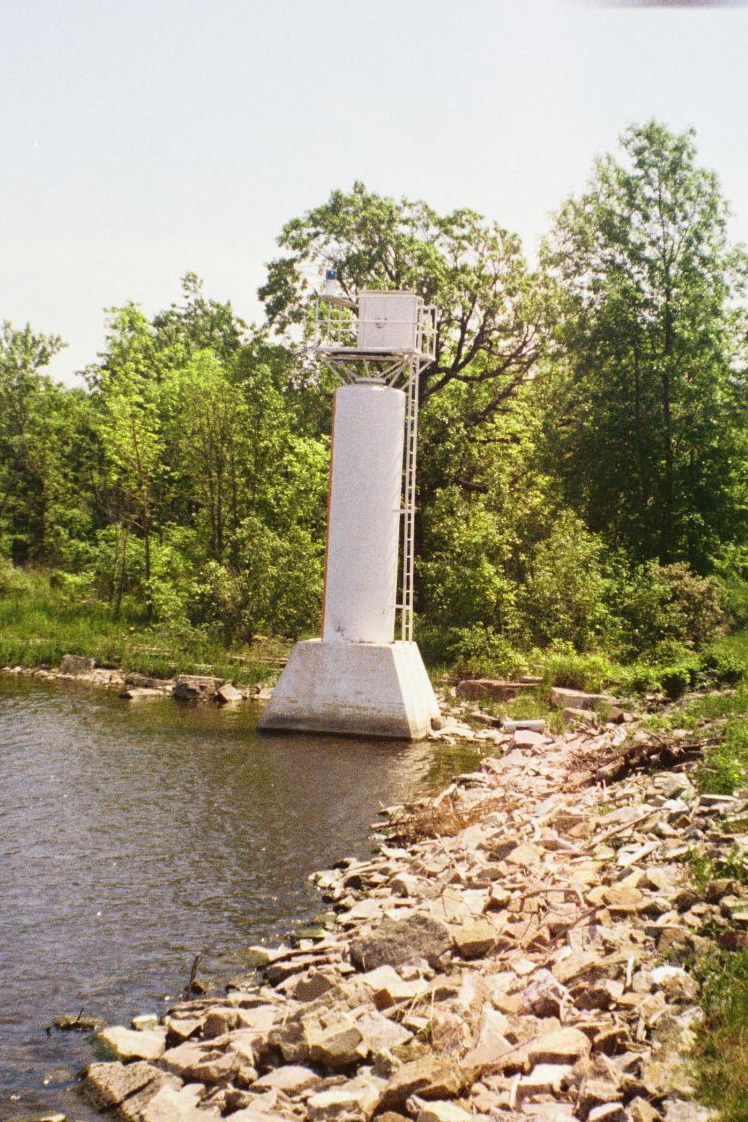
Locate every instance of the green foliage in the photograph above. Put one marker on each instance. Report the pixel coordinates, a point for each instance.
(665, 603)
(464, 576)
(722, 667)
(722, 1040)
(472, 270)
(478, 652)
(563, 666)
(565, 593)
(646, 401)
(43, 619)
(705, 869)
(725, 767)
(731, 567)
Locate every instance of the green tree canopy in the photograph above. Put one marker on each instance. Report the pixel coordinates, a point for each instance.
(28, 411)
(472, 270)
(646, 412)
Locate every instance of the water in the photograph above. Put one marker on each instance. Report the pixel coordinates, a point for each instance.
(135, 836)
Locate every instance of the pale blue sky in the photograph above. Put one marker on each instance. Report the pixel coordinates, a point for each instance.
(140, 139)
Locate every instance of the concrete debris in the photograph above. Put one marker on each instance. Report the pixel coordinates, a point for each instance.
(516, 948)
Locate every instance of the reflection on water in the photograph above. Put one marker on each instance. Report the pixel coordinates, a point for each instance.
(133, 837)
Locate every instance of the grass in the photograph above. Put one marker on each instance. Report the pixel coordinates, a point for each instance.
(40, 624)
(722, 1043)
(705, 869)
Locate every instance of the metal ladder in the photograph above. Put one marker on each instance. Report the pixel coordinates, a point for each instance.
(408, 509)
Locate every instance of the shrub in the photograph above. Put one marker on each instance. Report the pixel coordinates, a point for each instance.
(669, 602)
(566, 592)
(722, 668)
(675, 680)
(571, 670)
(478, 652)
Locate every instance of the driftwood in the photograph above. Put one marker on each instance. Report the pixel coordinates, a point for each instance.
(653, 753)
(194, 986)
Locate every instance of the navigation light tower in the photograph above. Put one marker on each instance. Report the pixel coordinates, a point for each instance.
(358, 679)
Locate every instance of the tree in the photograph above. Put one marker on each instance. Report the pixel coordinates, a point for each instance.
(212, 421)
(23, 355)
(199, 323)
(647, 407)
(129, 384)
(472, 270)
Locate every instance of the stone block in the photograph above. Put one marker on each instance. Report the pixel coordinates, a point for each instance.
(133, 1044)
(106, 1085)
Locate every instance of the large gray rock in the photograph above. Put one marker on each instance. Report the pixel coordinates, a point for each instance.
(196, 687)
(106, 1085)
(579, 699)
(131, 1044)
(397, 941)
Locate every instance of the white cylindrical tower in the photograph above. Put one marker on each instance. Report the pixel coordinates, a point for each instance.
(361, 573)
(357, 679)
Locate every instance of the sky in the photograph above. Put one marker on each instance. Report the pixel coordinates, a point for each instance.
(143, 139)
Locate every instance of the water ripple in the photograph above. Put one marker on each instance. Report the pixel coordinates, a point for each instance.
(134, 837)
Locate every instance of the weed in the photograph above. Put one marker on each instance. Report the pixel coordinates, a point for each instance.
(725, 767)
(434, 819)
(722, 1041)
(704, 869)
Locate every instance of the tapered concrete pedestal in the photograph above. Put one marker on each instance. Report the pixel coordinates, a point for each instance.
(359, 689)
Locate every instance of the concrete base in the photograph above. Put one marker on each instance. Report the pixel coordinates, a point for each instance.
(357, 689)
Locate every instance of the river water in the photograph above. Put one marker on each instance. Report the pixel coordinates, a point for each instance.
(136, 836)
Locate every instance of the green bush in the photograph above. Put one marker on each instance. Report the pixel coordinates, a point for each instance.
(641, 678)
(664, 603)
(676, 680)
(565, 667)
(478, 652)
(722, 667)
(567, 590)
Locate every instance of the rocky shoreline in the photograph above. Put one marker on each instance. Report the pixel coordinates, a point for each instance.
(517, 948)
(132, 686)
